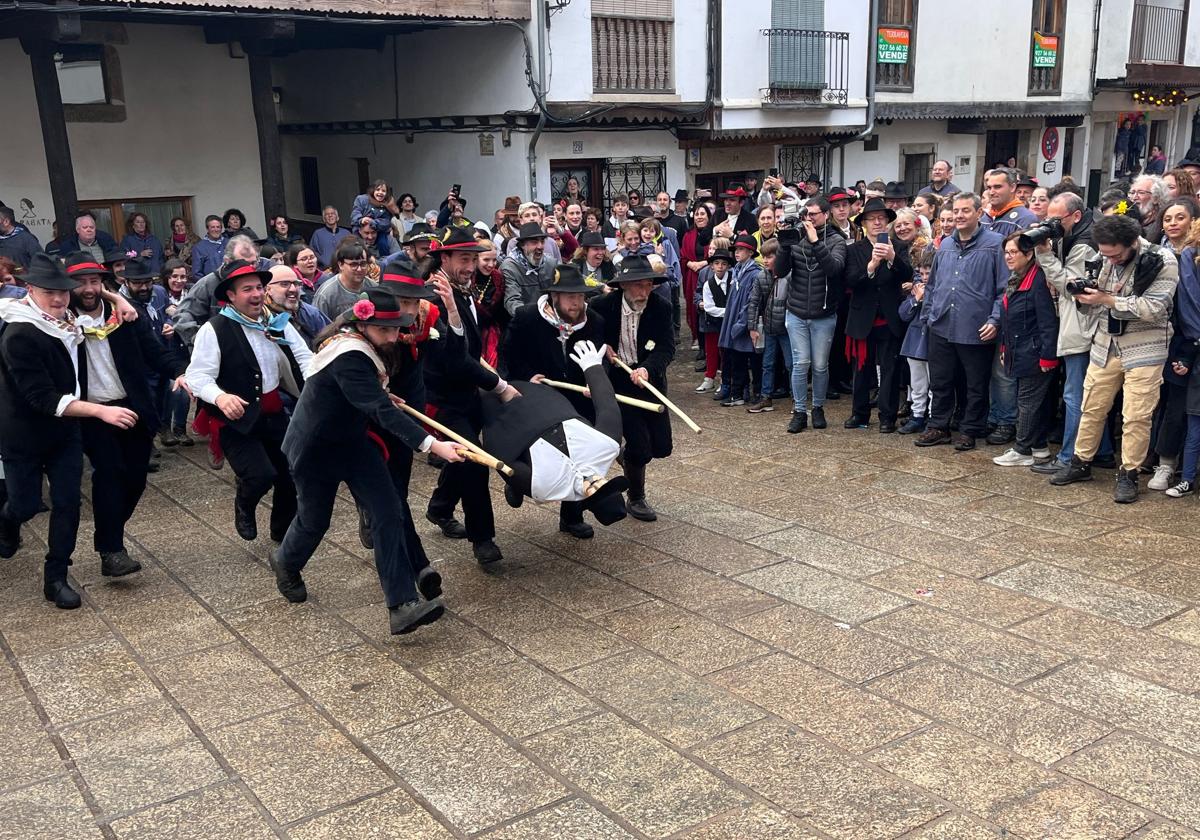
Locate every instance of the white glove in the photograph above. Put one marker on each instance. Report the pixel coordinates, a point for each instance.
(587, 355)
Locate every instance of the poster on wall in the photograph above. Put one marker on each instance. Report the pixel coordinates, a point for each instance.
(1045, 50)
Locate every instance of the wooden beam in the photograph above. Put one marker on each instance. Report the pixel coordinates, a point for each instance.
(59, 169)
(262, 98)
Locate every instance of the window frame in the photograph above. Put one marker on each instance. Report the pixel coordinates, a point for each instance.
(114, 205)
(911, 66)
(113, 110)
(632, 15)
(1037, 18)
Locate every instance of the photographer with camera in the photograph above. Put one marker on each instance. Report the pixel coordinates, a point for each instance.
(1065, 248)
(1133, 298)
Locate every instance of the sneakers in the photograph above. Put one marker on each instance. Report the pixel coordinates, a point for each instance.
(1047, 467)
(706, 385)
(408, 617)
(721, 393)
(933, 437)
(798, 423)
(914, 426)
(1126, 491)
(181, 437)
(1002, 435)
(1013, 458)
(1183, 488)
(732, 402)
(963, 442)
(166, 436)
(760, 405)
(118, 564)
(855, 422)
(818, 414)
(1162, 477)
(1070, 473)
(1040, 453)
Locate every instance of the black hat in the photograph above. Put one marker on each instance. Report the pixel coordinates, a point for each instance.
(838, 194)
(377, 307)
(403, 279)
(1186, 162)
(531, 230)
(567, 280)
(44, 272)
(1027, 181)
(592, 239)
(606, 504)
(227, 275)
(138, 269)
(746, 241)
(82, 262)
(682, 195)
(637, 267)
(734, 193)
(876, 205)
(115, 256)
(895, 189)
(456, 238)
(419, 231)
(722, 254)
(642, 211)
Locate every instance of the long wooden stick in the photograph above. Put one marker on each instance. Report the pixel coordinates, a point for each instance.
(621, 398)
(482, 456)
(663, 397)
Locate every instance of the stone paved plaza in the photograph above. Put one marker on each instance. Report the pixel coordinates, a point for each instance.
(825, 635)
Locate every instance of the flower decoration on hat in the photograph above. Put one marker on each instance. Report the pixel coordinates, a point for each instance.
(129, 255)
(363, 310)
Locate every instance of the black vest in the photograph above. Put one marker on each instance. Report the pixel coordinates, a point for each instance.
(240, 373)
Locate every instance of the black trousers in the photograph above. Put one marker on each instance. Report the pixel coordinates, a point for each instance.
(1170, 424)
(119, 458)
(399, 465)
(974, 361)
(466, 481)
(883, 349)
(23, 482)
(361, 466)
(1032, 411)
(260, 465)
(744, 368)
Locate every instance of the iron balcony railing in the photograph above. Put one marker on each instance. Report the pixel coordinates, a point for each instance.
(1158, 34)
(808, 66)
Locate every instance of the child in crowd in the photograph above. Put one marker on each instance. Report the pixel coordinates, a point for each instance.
(767, 313)
(735, 341)
(712, 290)
(915, 346)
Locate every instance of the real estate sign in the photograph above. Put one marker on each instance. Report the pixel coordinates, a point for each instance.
(1045, 50)
(892, 45)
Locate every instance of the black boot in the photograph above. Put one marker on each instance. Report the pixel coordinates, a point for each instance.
(1075, 471)
(429, 583)
(1127, 487)
(10, 537)
(118, 564)
(61, 593)
(289, 584)
(243, 519)
(637, 507)
(364, 530)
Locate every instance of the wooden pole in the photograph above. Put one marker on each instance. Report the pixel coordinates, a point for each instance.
(621, 398)
(482, 457)
(663, 397)
(59, 169)
(270, 159)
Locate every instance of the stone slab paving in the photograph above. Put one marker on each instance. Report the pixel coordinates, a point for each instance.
(827, 635)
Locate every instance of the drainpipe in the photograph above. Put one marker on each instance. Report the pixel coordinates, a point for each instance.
(872, 35)
(540, 96)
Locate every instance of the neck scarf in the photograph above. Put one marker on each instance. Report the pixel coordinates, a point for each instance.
(25, 311)
(347, 340)
(179, 238)
(551, 316)
(272, 328)
(97, 326)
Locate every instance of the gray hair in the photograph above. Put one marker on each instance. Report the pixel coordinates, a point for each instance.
(1069, 201)
(237, 243)
(974, 198)
(1160, 194)
(919, 222)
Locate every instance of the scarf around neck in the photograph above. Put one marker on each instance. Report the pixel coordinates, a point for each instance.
(97, 326)
(273, 327)
(346, 340)
(25, 311)
(550, 316)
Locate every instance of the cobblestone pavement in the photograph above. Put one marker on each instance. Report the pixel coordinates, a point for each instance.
(825, 635)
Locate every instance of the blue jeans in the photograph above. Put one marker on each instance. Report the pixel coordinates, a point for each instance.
(1191, 448)
(173, 408)
(770, 345)
(1003, 410)
(810, 340)
(1076, 366)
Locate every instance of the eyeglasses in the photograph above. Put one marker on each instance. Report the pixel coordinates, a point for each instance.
(355, 263)
(1139, 192)
(287, 284)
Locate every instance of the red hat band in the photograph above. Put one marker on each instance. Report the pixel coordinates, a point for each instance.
(403, 279)
(85, 268)
(238, 272)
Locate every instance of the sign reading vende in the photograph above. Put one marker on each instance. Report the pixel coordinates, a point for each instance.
(1045, 50)
(893, 45)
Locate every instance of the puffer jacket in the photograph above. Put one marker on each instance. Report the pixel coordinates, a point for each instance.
(768, 301)
(815, 288)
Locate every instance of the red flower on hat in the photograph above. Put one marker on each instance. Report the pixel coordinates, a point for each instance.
(363, 310)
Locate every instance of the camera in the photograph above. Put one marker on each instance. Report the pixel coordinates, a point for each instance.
(1039, 233)
(1090, 281)
(794, 213)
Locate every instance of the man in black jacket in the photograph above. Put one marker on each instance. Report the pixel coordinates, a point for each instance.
(453, 383)
(538, 345)
(638, 330)
(734, 212)
(874, 276)
(40, 407)
(120, 360)
(241, 361)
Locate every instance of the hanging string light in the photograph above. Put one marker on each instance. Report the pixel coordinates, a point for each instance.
(1163, 98)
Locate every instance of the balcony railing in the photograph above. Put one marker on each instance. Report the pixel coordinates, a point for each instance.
(808, 66)
(1158, 36)
(632, 55)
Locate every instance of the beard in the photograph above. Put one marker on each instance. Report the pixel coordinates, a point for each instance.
(86, 301)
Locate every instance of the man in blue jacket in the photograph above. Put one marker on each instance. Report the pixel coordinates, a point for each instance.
(88, 238)
(209, 253)
(324, 240)
(962, 312)
(16, 242)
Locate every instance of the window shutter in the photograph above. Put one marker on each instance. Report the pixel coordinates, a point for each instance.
(797, 60)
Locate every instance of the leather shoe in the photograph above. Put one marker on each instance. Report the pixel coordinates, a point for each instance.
(513, 496)
(818, 417)
(429, 583)
(118, 564)
(638, 509)
(61, 593)
(963, 442)
(364, 531)
(10, 538)
(450, 527)
(886, 428)
(578, 530)
(289, 584)
(486, 552)
(408, 617)
(243, 522)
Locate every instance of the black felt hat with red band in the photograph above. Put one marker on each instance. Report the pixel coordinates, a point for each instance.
(236, 271)
(456, 238)
(403, 279)
(81, 262)
(377, 307)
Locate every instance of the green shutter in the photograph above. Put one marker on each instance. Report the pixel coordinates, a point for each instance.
(797, 61)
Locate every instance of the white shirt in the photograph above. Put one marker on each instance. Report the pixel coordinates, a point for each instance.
(104, 383)
(558, 477)
(206, 360)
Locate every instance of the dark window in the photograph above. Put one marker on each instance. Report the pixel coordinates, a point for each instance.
(310, 186)
(799, 163)
(364, 174)
(1046, 47)
(916, 171)
(647, 175)
(899, 18)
